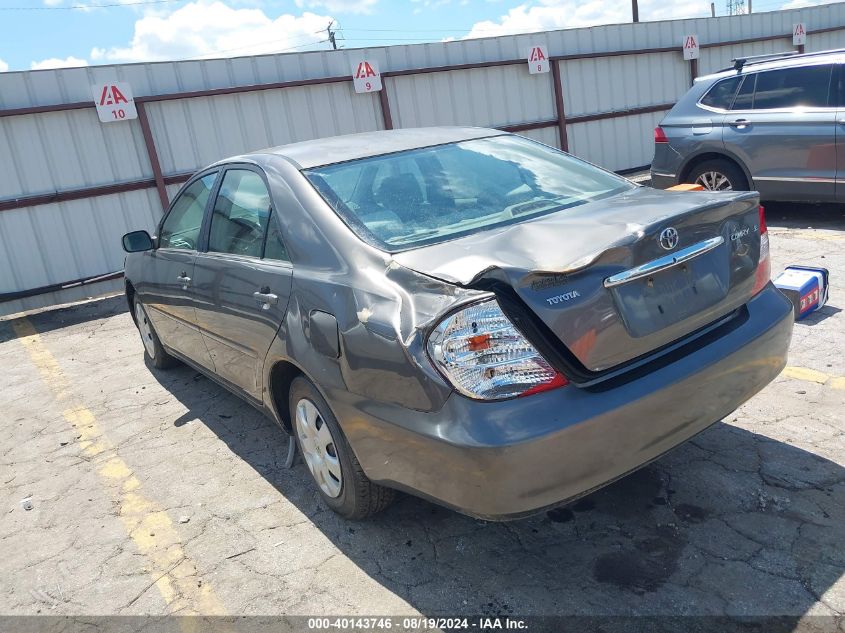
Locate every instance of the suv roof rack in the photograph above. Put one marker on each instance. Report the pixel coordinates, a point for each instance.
(739, 62)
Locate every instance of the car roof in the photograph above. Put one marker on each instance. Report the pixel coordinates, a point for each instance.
(790, 61)
(339, 149)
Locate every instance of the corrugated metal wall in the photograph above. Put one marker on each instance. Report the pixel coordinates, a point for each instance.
(43, 153)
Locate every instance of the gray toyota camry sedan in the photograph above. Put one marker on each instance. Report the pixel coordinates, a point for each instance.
(461, 313)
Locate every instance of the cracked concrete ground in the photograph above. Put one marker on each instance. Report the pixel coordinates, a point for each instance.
(747, 519)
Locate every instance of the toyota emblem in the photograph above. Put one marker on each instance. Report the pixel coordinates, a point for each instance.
(669, 238)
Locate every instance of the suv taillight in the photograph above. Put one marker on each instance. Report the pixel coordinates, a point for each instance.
(764, 265)
(660, 135)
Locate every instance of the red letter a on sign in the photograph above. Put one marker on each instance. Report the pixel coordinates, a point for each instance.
(117, 95)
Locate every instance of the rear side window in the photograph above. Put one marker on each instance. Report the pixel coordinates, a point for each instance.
(240, 215)
(181, 227)
(721, 95)
(793, 88)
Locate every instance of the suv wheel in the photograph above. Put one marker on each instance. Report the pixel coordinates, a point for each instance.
(152, 346)
(340, 479)
(718, 175)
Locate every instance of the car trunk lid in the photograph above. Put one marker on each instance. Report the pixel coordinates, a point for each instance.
(598, 277)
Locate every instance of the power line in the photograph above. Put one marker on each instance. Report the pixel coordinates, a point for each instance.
(74, 7)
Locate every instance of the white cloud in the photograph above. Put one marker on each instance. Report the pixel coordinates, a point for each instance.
(340, 6)
(3, 66)
(55, 62)
(52, 3)
(206, 28)
(557, 14)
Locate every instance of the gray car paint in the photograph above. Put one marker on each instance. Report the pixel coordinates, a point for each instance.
(785, 154)
(405, 424)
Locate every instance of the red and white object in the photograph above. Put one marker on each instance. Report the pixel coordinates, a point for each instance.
(691, 49)
(366, 76)
(538, 60)
(799, 34)
(114, 102)
(764, 264)
(806, 286)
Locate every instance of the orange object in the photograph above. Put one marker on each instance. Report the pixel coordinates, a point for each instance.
(686, 187)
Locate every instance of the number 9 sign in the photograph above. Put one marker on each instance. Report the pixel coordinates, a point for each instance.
(366, 76)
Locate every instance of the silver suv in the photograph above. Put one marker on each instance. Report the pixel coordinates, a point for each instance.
(771, 123)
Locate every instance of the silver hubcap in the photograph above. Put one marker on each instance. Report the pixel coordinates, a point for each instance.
(714, 181)
(145, 329)
(318, 448)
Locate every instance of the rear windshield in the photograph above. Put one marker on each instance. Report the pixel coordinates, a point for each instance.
(424, 196)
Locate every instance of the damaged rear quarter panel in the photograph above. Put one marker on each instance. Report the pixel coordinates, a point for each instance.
(384, 311)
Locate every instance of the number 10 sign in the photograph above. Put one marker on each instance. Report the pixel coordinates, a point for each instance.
(114, 102)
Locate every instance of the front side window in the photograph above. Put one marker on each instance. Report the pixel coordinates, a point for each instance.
(181, 227)
(240, 215)
(429, 195)
(805, 87)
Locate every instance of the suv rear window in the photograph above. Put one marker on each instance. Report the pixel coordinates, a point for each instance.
(721, 95)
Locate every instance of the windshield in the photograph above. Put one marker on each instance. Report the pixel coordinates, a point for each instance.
(418, 197)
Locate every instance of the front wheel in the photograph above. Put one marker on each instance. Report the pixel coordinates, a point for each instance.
(340, 479)
(153, 348)
(718, 175)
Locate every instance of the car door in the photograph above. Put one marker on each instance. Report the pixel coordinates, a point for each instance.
(167, 288)
(242, 278)
(783, 127)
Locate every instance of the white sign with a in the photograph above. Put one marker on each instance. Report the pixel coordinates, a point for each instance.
(114, 101)
(799, 34)
(691, 47)
(538, 60)
(366, 77)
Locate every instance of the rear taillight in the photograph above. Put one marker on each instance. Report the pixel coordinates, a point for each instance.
(480, 352)
(764, 265)
(660, 135)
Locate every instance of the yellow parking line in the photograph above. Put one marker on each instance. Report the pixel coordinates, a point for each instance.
(173, 574)
(812, 375)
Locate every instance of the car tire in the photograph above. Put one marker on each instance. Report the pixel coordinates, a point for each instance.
(153, 349)
(710, 175)
(340, 480)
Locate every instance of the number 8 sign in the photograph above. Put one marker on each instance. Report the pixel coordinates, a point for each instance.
(538, 60)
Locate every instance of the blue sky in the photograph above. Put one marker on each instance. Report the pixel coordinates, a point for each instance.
(52, 33)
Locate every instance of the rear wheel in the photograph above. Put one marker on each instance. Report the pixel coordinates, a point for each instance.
(718, 175)
(340, 479)
(152, 345)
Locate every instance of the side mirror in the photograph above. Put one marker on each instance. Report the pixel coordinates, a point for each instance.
(137, 241)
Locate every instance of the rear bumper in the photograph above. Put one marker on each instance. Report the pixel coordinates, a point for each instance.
(506, 459)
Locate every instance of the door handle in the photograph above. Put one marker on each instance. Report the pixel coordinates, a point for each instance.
(267, 298)
(740, 124)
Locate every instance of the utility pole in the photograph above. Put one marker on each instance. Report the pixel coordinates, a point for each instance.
(749, 7)
(331, 33)
(712, 9)
(635, 10)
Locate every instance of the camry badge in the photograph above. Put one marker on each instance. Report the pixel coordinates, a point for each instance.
(669, 238)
